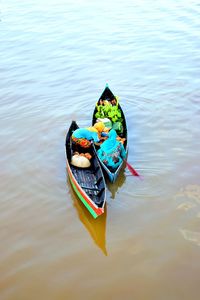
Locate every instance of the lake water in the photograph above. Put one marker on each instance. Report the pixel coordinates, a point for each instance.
(56, 57)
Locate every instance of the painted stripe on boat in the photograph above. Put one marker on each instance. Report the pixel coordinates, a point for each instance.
(83, 200)
(90, 204)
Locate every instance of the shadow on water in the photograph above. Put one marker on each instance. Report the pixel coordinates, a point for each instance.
(113, 187)
(95, 227)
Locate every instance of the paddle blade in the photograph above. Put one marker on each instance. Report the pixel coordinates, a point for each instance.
(131, 169)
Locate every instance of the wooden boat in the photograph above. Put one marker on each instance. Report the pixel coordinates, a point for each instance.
(109, 96)
(88, 183)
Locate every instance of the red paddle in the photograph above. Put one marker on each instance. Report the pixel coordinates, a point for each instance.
(132, 170)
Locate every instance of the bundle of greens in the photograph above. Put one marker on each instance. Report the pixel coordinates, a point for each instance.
(112, 112)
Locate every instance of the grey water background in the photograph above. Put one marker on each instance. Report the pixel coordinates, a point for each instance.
(55, 59)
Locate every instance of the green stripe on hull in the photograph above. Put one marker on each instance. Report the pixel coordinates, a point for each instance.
(83, 200)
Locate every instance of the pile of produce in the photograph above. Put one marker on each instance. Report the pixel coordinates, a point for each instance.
(110, 110)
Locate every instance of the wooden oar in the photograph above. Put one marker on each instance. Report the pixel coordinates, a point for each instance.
(132, 170)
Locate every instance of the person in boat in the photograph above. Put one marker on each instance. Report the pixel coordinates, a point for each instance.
(112, 151)
(84, 136)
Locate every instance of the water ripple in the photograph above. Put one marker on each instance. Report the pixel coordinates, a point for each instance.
(56, 58)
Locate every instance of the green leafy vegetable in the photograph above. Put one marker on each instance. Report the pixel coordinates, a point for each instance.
(110, 111)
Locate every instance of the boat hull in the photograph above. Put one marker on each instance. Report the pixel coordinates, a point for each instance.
(88, 183)
(112, 176)
(93, 209)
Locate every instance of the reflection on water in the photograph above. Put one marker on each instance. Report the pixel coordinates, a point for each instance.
(189, 198)
(96, 227)
(190, 191)
(113, 187)
(191, 236)
(190, 194)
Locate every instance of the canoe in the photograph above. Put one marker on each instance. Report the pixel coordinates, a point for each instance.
(109, 96)
(88, 183)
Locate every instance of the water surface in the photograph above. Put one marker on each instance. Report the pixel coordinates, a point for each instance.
(56, 57)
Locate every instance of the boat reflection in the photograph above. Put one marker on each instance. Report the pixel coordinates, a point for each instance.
(113, 187)
(96, 227)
